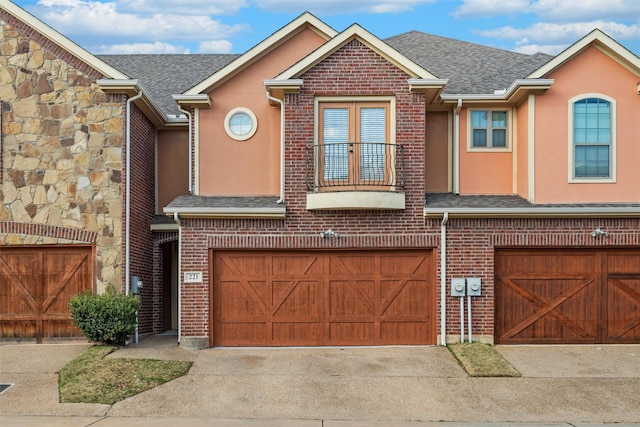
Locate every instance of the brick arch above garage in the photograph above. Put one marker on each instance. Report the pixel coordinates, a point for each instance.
(47, 231)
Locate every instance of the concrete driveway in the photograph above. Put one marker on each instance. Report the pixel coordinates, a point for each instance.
(578, 384)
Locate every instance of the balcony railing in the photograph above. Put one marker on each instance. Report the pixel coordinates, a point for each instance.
(355, 166)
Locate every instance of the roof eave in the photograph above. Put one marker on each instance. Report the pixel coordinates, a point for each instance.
(514, 94)
(130, 88)
(306, 20)
(535, 212)
(432, 88)
(193, 101)
(196, 212)
(355, 31)
(601, 41)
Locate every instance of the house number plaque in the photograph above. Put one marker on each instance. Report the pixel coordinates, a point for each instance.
(193, 277)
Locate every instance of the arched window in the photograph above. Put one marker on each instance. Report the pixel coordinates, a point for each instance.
(592, 137)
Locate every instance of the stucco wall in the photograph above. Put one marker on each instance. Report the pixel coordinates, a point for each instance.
(592, 71)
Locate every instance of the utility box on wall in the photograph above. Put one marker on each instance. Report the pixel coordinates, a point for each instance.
(473, 286)
(458, 287)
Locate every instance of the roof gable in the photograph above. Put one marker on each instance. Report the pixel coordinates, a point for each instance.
(304, 21)
(355, 31)
(599, 40)
(46, 31)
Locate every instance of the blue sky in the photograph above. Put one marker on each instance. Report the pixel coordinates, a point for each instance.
(234, 26)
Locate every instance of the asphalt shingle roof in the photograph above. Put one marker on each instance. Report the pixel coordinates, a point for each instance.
(497, 202)
(165, 75)
(240, 202)
(471, 68)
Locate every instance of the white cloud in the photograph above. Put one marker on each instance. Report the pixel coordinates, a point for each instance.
(141, 26)
(553, 38)
(215, 46)
(336, 7)
(141, 48)
(183, 7)
(487, 8)
(105, 20)
(552, 10)
(586, 10)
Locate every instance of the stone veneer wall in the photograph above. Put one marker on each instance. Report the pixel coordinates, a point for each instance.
(61, 150)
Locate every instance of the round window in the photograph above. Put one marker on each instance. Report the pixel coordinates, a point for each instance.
(240, 124)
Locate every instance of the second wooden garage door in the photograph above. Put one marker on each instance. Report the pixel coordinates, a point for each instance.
(567, 296)
(36, 284)
(323, 298)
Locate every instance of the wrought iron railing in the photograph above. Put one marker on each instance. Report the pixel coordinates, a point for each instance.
(356, 165)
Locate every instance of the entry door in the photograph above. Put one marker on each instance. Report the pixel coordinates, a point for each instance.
(36, 285)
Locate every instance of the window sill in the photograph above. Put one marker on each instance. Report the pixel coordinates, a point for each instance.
(355, 200)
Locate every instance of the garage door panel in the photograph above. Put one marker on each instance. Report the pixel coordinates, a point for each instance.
(403, 332)
(243, 333)
(247, 265)
(416, 264)
(404, 298)
(623, 317)
(296, 265)
(296, 300)
(353, 265)
(567, 296)
(350, 298)
(295, 333)
(243, 300)
(19, 282)
(329, 298)
(352, 333)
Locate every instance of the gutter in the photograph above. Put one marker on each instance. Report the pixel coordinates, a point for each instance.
(456, 148)
(176, 218)
(278, 212)
(127, 248)
(443, 279)
(281, 102)
(188, 114)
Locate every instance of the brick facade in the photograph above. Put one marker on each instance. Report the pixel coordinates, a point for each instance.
(471, 243)
(142, 202)
(350, 71)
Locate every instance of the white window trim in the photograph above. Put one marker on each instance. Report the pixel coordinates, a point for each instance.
(507, 149)
(612, 154)
(249, 113)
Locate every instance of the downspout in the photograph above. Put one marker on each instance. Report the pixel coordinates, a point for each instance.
(188, 114)
(281, 102)
(127, 244)
(176, 218)
(443, 279)
(456, 149)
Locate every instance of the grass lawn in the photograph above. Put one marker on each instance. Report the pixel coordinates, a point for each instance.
(91, 378)
(482, 360)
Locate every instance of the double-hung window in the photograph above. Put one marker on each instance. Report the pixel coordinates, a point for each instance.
(353, 144)
(489, 129)
(592, 137)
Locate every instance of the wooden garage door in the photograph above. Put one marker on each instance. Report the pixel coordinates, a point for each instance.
(567, 296)
(323, 298)
(35, 287)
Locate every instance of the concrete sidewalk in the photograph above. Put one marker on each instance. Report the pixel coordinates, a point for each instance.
(400, 386)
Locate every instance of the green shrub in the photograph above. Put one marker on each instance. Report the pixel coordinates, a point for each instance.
(108, 318)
